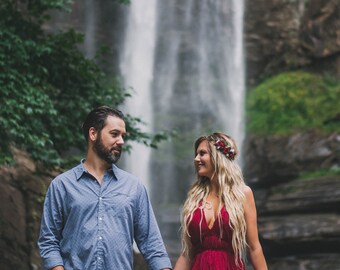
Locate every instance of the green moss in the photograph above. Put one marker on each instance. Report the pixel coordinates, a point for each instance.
(333, 171)
(294, 101)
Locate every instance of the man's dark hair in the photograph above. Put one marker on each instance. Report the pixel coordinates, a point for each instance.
(97, 117)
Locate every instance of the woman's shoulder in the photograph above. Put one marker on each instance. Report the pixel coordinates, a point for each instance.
(248, 192)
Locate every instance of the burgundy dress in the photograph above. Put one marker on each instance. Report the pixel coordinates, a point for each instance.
(210, 252)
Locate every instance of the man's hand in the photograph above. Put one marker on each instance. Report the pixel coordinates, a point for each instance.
(58, 267)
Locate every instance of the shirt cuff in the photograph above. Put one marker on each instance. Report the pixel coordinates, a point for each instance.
(160, 263)
(53, 260)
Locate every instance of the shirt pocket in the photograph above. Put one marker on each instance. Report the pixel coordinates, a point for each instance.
(119, 206)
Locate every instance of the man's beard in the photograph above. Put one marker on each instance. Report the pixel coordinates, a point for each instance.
(106, 154)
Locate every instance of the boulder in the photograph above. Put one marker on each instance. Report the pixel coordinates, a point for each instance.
(275, 159)
(320, 194)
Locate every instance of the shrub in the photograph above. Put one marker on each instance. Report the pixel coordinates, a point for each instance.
(47, 86)
(294, 101)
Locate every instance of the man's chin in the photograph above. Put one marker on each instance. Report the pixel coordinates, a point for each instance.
(115, 158)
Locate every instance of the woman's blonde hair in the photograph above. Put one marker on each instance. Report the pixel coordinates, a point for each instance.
(231, 195)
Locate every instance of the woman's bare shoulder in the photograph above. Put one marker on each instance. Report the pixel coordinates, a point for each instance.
(248, 192)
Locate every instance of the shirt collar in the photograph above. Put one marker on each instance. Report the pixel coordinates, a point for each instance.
(116, 171)
(80, 170)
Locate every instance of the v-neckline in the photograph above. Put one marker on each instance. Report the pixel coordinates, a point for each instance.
(206, 222)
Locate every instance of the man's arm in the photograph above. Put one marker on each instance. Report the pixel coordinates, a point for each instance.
(147, 234)
(50, 229)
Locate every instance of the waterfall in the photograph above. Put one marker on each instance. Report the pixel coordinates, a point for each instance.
(90, 24)
(184, 60)
(137, 70)
(198, 84)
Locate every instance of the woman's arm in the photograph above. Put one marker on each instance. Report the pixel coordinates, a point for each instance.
(255, 249)
(183, 263)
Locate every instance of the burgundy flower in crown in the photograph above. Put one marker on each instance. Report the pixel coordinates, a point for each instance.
(225, 148)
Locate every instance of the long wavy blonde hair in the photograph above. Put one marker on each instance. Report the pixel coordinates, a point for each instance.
(231, 185)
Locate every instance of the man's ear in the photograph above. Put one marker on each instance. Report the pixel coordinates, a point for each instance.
(92, 134)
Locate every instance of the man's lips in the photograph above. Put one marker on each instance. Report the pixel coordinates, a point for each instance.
(116, 150)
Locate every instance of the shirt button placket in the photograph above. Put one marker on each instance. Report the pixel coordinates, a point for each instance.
(100, 253)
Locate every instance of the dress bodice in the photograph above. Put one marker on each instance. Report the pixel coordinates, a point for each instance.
(212, 247)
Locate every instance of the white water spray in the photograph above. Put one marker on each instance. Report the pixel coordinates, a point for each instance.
(137, 70)
(188, 74)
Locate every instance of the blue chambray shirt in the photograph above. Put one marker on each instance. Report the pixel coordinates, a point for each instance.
(86, 225)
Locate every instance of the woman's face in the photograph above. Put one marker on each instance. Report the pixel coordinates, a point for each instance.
(202, 160)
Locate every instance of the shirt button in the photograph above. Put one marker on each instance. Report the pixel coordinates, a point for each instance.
(100, 238)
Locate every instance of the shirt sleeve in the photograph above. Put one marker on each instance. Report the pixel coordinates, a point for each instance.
(51, 227)
(147, 234)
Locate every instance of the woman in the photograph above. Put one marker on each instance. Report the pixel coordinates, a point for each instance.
(219, 221)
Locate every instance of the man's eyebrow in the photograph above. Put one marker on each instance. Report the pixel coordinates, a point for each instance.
(117, 131)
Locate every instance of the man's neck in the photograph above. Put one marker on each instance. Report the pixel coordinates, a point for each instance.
(96, 167)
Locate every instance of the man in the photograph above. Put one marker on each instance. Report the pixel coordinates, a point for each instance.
(93, 212)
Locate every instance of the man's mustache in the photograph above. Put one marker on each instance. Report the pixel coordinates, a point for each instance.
(117, 148)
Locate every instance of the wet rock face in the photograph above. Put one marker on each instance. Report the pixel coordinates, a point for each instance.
(271, 160)
(283, 35)
(299, 219)
(321, 194)
(299, 224)
(20, 210)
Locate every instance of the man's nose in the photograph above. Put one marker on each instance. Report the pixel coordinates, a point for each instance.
(121, 140)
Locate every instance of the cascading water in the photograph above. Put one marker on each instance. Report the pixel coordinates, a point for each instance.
(90, 23)
(137, 70)
(188, 77)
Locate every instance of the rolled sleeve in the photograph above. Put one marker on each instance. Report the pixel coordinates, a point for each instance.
(161, 263)
(54, 259)
(50, 229)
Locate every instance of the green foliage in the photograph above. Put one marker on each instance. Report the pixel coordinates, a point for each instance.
(294, 101)
(47, 86)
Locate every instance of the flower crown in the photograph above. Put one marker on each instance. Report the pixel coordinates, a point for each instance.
(225, 148)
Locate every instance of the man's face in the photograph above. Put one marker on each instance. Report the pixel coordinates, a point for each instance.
(109, 141)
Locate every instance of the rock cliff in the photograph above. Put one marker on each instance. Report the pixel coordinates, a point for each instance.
(298, 219)
(22, 192)
(285, 35)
